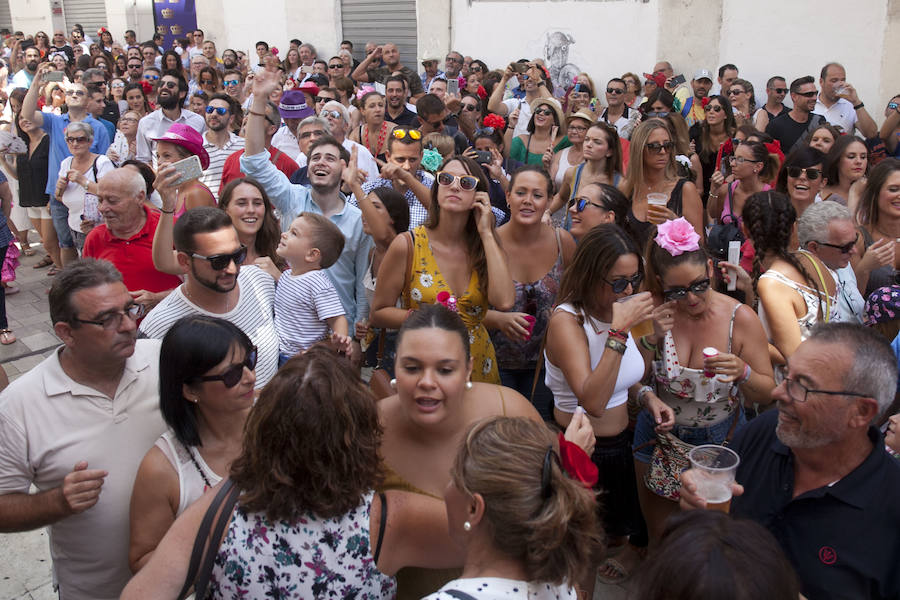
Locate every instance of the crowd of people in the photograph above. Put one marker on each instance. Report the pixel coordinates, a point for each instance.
(340, 328)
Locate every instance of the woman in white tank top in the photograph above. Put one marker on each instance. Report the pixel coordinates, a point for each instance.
(206, 381)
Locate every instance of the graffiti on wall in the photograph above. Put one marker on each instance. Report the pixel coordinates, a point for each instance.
(556, 55)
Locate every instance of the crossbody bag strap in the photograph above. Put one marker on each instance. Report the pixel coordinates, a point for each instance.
(203, 536)
(827, 315)
(382, 522)
(224, 519)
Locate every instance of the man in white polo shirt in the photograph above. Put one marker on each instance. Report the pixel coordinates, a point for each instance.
(77, 426)
(839, 103)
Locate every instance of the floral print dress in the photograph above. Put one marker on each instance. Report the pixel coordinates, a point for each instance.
(310, 557)
(426, 282)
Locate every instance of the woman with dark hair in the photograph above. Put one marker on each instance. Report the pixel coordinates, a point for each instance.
(591, 361)
(845, 170)
(546, 120)
(823, 137)
(104, 61)
(537, 257)
(801, 177)
(306, 477)
(598, 203)
(796, 289)
(253, 217)
(209, 80)
(875, 262)
(751, 165)
(455, 254)
(206, 379)
(374, 130)
(172, 62)
(470, 114)
(652, 172)
(710, 133)
(529, 528)
(741, 95)
(707, 555)
(702, 408)
(137, 100)
(490, 139)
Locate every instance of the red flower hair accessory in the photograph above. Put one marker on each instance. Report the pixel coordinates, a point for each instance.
(145, 85)
(576, 463)
(482, 93)
(704, 102)
(495, 121)
(774, 147)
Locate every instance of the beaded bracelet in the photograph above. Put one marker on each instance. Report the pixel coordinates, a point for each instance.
(619, 334)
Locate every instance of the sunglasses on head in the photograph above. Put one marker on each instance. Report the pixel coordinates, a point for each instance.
(679, 293)
(233, 374)
(621, 284)
(466, 182)
(414, 134)
(843, 248)
(615, 91)
(330, 113)
(219, 262)
(811, 173)
(581, 203)
(660, 147)
(221, 110)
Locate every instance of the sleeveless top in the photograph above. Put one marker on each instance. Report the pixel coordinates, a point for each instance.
(426, 282)
(696, 400)
(643, 229)
(880, 277)
(726, 207)
(810, 297)
(564, 166)
(631, 368)
(538, 298)
(309, 557)
(188, 464)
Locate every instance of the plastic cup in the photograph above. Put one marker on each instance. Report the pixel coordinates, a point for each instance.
(531, 321)
(709, 352)
(656, 204)
(715, 467)
(644, 327)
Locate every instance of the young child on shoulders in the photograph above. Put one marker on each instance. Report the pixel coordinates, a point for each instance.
(306, 304)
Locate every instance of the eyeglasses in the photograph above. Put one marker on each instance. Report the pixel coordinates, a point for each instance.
(582, 203)
(615, 91)
(469, 107)
(714, 108)
(843, 248)
(621, 284)
(340, 66)
(739, 160)
(219, 262)
(169, 85)
(736, 92)
(779, 90)
(543, 111)
(811, 174)
(151, 77)
(221, 110)
(331, 113)
(794, 389)
(231, 83)
(76, 140)
(452, 59)
(128, 120)
(414, 134)
(233, 374)
(77, 93)
(812, 94)
(679, 293)
(112, 320)
(466, 182)
(658, 115)
(660, 147)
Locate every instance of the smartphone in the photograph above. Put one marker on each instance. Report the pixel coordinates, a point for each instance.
(54, 76)
(520, 67)
(678, 80)
(483, 158)
(188, 169)
(379, 87)
(26, 44)
(453, 87)
(305, 69)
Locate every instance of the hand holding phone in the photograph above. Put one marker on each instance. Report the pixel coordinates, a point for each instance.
(188, 169)
(453, 87)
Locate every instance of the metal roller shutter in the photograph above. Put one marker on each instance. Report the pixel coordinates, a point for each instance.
(6, 16)
(91, 14)
(381, 21)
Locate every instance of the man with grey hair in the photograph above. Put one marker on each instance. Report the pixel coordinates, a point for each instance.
(826, 230)
(815, 472)
(126, 236)
(338, 117)
(309, 130)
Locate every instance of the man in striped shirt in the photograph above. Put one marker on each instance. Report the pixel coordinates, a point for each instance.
(218, 141)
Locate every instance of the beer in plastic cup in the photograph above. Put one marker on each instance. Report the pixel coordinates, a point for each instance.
(644, 327)
(714, 469)
(656, 203)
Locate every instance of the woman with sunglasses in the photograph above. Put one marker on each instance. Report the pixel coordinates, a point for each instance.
(209, 80)
(456, 259)
(844, 170)
(124, 145)
(879, 223)
(470, 114)
(116, 94)
(374, 130)
(602, 163)
(652, 170)
(801, 178)
(591, 361)
(796, 289)
(743, 103)
(537, 257)
(596, 204)
(545, 134)
(697, 399)
(42, 43)
(206, 381)
(137, 100)
(709, 134)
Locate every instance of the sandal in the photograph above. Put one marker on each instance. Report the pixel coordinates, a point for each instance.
(44, 262)
(617, 571)
(7, 337)
(9, 290)
(53, 271)
(28, 251)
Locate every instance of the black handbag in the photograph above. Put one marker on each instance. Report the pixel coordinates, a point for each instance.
(721, 234)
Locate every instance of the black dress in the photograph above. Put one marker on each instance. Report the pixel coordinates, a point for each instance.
(32, 173)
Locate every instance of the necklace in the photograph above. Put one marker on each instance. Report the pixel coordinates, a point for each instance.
(187, 294)
(382, 133)
(197, 465)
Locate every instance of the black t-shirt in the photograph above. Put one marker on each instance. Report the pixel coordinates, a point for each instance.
(788, 131)
(407, 118)
(843, 539)
(379, 74)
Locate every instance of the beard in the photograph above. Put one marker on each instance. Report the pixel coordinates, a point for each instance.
(229, 64)
(169, 101)
(32, 65)
(214, 283)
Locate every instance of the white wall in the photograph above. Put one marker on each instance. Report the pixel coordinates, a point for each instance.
(30, 16)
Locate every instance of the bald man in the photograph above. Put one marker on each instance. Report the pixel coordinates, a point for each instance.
(368, 71)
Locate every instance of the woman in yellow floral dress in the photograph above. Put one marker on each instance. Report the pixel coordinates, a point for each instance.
(454, 259)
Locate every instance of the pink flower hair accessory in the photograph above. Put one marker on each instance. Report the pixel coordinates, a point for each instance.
(363, 90)
(677, 237)
(448, 300)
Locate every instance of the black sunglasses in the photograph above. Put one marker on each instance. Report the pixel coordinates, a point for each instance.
(807, 94)
(679, 293)
(811, 174)
(843, 248)
(658, 147)
(615, 91)
(221, 261)
(470, 107)
(621, 284)
(779, 90)
(233, 374)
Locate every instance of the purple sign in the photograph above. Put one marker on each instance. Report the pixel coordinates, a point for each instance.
(174, 19)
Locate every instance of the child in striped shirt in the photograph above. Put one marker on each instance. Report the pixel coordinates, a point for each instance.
(307, 306)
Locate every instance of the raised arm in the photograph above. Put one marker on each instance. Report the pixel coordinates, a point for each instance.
(361, 72)
(495, 102)
(501, 291)
(29, 103)
(164, 256)
(887, 130)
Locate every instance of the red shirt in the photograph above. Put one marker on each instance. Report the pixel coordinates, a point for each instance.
(232, 168)
(132, 257)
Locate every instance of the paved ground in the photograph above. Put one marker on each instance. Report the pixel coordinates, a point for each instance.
(25, 557)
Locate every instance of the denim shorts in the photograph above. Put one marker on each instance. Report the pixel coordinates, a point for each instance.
(59, 212)
(644, 431)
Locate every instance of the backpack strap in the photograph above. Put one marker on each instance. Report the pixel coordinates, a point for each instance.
(686, 109)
